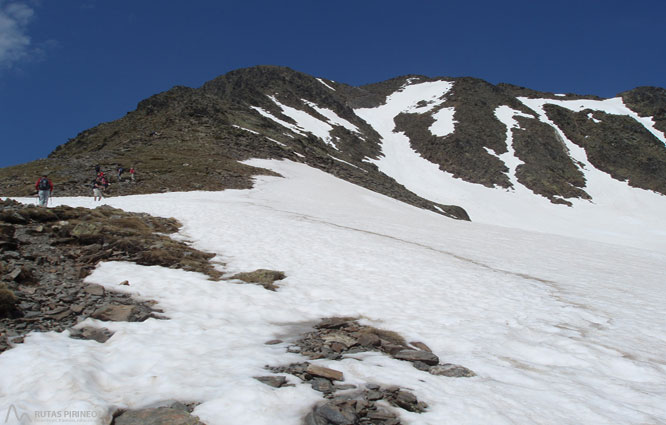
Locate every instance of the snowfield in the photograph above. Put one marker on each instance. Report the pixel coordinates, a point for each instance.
(560, 330)
(617, 213)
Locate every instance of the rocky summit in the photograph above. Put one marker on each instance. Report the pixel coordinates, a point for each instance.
(196, 138)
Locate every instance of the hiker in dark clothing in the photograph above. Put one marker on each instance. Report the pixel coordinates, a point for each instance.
(120, 170)
(44, 188)
(97, 168)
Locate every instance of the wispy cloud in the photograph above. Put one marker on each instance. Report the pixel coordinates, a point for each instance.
(15, 43)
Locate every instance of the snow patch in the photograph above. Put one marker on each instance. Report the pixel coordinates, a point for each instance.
(613, 106)
(332, 117)
(506, 116)
(245, 129)
(296, 129)
(324, 83)
(444, 123)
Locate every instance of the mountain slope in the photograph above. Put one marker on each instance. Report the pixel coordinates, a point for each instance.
(558, 330)
(503, 138)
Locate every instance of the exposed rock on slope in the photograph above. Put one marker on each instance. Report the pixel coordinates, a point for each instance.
(193, 139)
(46, 254)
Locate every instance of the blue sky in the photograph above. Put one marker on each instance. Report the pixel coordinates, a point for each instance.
(67, 65)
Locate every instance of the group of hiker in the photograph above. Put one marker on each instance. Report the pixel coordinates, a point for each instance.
(44, 185)
(101, 182)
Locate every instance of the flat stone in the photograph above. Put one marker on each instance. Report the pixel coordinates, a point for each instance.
(343, 387)
(159, 416)
(273, 342)
(421, 366)
(334, 323)
(373, 395)
(273, 381)
(391, 348)
(369, 339)
(95, 290)
(420, 346)
(336, 415)
(338, 347)
(324, 372)
(452, 371)
(100, 335)
(417, 355)
(114, 313)
(382, 415)
(322, 385)
(77, 308)
(339, 337)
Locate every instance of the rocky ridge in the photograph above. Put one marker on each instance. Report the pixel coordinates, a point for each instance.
(196, 138)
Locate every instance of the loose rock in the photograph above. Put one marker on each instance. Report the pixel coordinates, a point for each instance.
(451, 370)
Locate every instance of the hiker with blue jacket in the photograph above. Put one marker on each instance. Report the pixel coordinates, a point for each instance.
(44, 188)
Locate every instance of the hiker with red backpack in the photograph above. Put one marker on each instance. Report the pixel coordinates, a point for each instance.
(44, 188)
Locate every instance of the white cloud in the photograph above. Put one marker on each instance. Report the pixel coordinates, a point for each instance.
(14, 40)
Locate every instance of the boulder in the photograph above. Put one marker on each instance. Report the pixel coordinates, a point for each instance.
(273, 381)
(263, 277)
(452, 371)
(417, 356)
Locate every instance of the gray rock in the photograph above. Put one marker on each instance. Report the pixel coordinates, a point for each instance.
(452, 371)
(368, 339)
(322, 385)
(374, 395)
(421, 366)
(421, 346)
(158, 416)
(95, 290)
(273, 381)
(337, 415)
(417, 355)
(114, 313)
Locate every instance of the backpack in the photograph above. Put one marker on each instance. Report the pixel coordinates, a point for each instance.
(44, 184)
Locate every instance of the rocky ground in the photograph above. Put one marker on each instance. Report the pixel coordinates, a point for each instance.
(339, 337)
(47, 252)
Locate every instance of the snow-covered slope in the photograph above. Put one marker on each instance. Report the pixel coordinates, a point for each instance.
(559, 330)
(616, 212)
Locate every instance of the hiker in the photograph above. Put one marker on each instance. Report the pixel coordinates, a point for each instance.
(132, 173)
(97, 168)
(104, 182)
(97, 188)
(44, 188)
(120, 172)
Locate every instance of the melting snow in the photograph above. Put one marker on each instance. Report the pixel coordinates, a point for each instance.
(332, 117)
(506, 115)
(290, 126)
(324, 83)
(444, 123)
(246, 129)
(618, 213)
(614, 106)
(559, 330)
